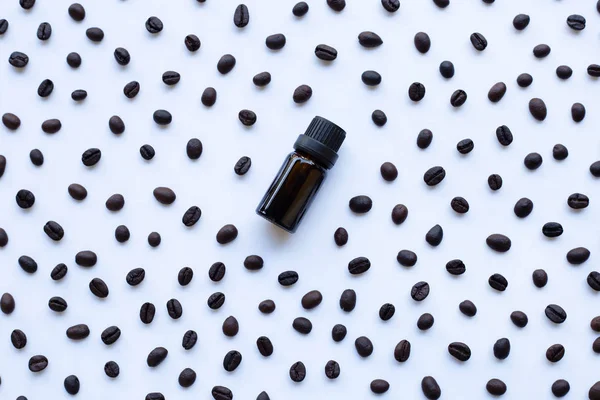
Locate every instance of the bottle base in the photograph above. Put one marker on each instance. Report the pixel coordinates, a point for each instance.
(275, 222)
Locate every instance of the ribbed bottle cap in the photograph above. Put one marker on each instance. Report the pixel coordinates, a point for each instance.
(322, 140)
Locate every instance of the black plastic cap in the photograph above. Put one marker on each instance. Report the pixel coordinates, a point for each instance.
(322, 140)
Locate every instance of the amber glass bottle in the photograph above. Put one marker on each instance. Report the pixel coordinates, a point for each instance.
(302, 174)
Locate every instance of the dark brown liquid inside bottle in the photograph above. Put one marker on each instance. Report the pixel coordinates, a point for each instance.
(292, 191)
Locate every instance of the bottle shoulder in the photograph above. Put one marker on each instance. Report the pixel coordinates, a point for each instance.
(299, 157)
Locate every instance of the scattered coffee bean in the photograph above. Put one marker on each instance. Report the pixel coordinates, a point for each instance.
(7, 303)
(135, 276)
(192, 43)
(538, 109)
(379, 386)
(540, 278)
(406, 258)
(116, 202)
(429, 385)
(156, 356)
(116, 125)
(54, 230)
(552, 229)
(560, 152)
(422, 42)
(59, 272)
(185, 276)
(289, 278)
(262, 79)
(187, 377)
(3, 26)
(340, 236)
(479, 42)
(555, 353)
(11, 121)
(496, 387)
(391, 5)
(402, 351)
(502, 348)
(247, 117)
(458, 98)
(364, 346)
(242, 166)
(147, 152)
(434, 175)
(266, 306)
(300, 9)
(359, 265)
(57, 304)
(232, 360)
(36, 157)
(155, 396)
(164, 195)
(468, 308)
(435, 235)
(389, 172)
(577, 112)
(276, 41)
(498, 282)
(416, 91)
(79, 95)
(74, 60)
(86, 258)
(162, 117)
(194, 148)
(45, 89)
(325, 52)
(555, 313)
(227, 234)
(465, 146)
(456, 267)
(174, 309)
(593, 280)
(147, 312)
(348, 300)
(78, 332)
(154, 25)
(38, 363)
(302, 325)
(209, 97)
(594, 392)
(371, 78)
(521, 21)
(459, 205)
(91, 157)
(425, 322)
(110, 335)
(419, 291)
(226, 64)
(265, 346)
(399, 214)
(447, 69)
(576, 22)
(360, 204)
(533, 161)
(221, 393)
(519, 318)
(217, 299)
(523, 207)
(564, 72)
(594, 169)
(560, 388)
(302, 94)
(332, 369)
(595, 324)
(578, 201)
(254, 263)
(98, 288)
(460, 351)
(387, 311)
(424, 138)
(298, 370)
(338, 332)
(593, 70)
(241, 16)
(578, 255)
(28, 264)
(369, 39)
(524, 80)
(541, 50)
(95, 34)
(189, 339)
(497, 92)
(18, 339)
(77, 12)
(20, 60)
(230, 327)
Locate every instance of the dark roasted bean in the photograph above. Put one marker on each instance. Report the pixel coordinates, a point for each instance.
(402, 351)
(538, 109)
(595, 324)
(478, 41)
(336, 5)
(74, 60)
(523, 207)
(11, 121)
(115, 202)
(416, 91)
(495, 387)
(185, 276)
(194, 149)
(135, 276)
(45, 88)
(497, 92)
(460, 351)
(468, 308)
(502, 348)
(325, 52)
(533, 161)
(435, 235)
(27, 4)
(171, 78)
(44, 31)
(499, 242)
(555, 313)
(391, 5)
(422, 42)
(519, 318)
(162, 117)
(387, 311)
(539, 278)
(276, 41)
(359, 265)
(560, 388)
(456, 267)
(253, 263)
(77, 12)
(446, 69)
(560, 152)
(227, 234)
(191, 216)
(541, 50)
(460, 205)
(38, 363)
(3, 238)
(3, 26)
(20, 60)
(265, 346)
(110, 335)
(429, 385)
(311, 299)
(91, 157)
(521, 21)
(156, 356)
(419, 291)
(593, 70)
(388, 171)
(300, 10)
(242, 166)
(593, 280)
(434, 175)
(302, 325)
(216, 300)
(18, 339)
(57, 304)
(164, 195)
(262, 79)
(371, 78)
(189, 339)
(332, 369)
(59, 272)
(564, 71)
(399, 214)
(95, 34)
(155, 396)
(51, 126)
(379, 118)
(36, 157)
(577, 112)
(424, 138)
(25, 199)
(338, 332)
(116, 125)
(594, 392)
(187, 377)
(147, 312)
(298, 370)
(594, 168)
(7, 303)
(232, 360)
(241, 16)
(99, 288)
(28, 264)
(54, 230)
(578, 255)
(287, 278)
(578, 201)
(78, 332)
(348, 300)
(379, 386)
(425, 322)
(340, 236)
(555, 353)
(266, 306)
(192, 43)
(154, 25)
(174, 309)
(147, 152)
(458, 98)
(498, 282)
(77, 191)
(406, 258)
(360, 204)
(465, 146)
(79, 95)
(552, 229)
(209, 97)
(247, 117)
(524, 80)
(576, 22)
(302, 94)
(221, 393)
(122, 56)
(230, 327)
(364, 346)
(369, 39)
(226, 64)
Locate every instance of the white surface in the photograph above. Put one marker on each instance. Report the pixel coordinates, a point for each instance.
(224, 197)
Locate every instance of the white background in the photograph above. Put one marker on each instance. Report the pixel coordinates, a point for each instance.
(224, 197)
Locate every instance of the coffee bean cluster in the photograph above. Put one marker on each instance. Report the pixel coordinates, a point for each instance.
(358, 266)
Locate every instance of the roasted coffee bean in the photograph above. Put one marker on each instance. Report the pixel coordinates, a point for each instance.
(458, 98)
(253, 263)
(247, 117)
(533, 161)
(191, 216)
(389, 172)
(91, 157)
(78, 332)
(74, 60)
(51, 126)
(300, 10)
(157, 356)
(497, 92)
(419, 291)
(593, 70)
(230, 327)
(18, 339)
(435, 235)
(434, 175)
(131, 89)
(460, 351)
(359, 265)
(110, 335)
(560, 152)
(185, 275)
(429, 385)
(3, 26)
(194, 149)
(262, 79)
(162, 117)
(460, 205)
(86, 258)
(154, 25)
(232, 360)
(360, 204)
(369, 39)
(541, 50)
(594, 168)
(11, 121)
(336, 5)
(538, 109)
(298, 370)
(28, 264)
(499, 242)
(57, 304)
(187, 377)
(442, 3)
(38, 363)
(523, 207)
(552, 229)
(399, 214)
(135, 276)
(468, 308)
(266, 306)
(288, 278)
(402, 351)
(77, 12)
(332, 369)
(116, 202)
(555, 313)
(406, 258)
(216, 300)
(348, 300)
(276, 41)
(302, 325)
(593, 280)
(27, 4)
(465, 146)
(171, 78)
(2, 166)
(209, 97)
(95, 34)
(576, 22)
(221, 393)
(44, 31)
(189, 339)
(147, 312)
(479, 42)
(379, 386)
(325, 52)
(3, 238)
(425, 322)
(242, 166)
(416, 91)
(578, 112)
(7, 303)
(147, 152)
(79, 95)
(155, 396)
(578, 255)
(387, 311)
(555, 353)
(391, 5)
(302, 94)
(495, 387)
(59, 272)
(594, 392)
(595, 324)
(192, 43)
(45, 89)
(116, 125)
(227, 234)
(338, 332)
(422, 42)
(456, 267)
(498, 282)
(519, 318)
(564, 71)
(98, 288)
(174, 309)
(364, 346)
(524, 80)
(424, 138)
(20, 60)
(371, 78)
(447, 69)
(36, 157)
(560, 388)
(502, 348)
(521, 21)
(264, 345)
(379, 118)
(54, 230)
(226, 64)
(340, 236)
(241, 16)
(164, 195)
(540, 278)
(578, 201)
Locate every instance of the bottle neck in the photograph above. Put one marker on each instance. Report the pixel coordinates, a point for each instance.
(316, 151)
